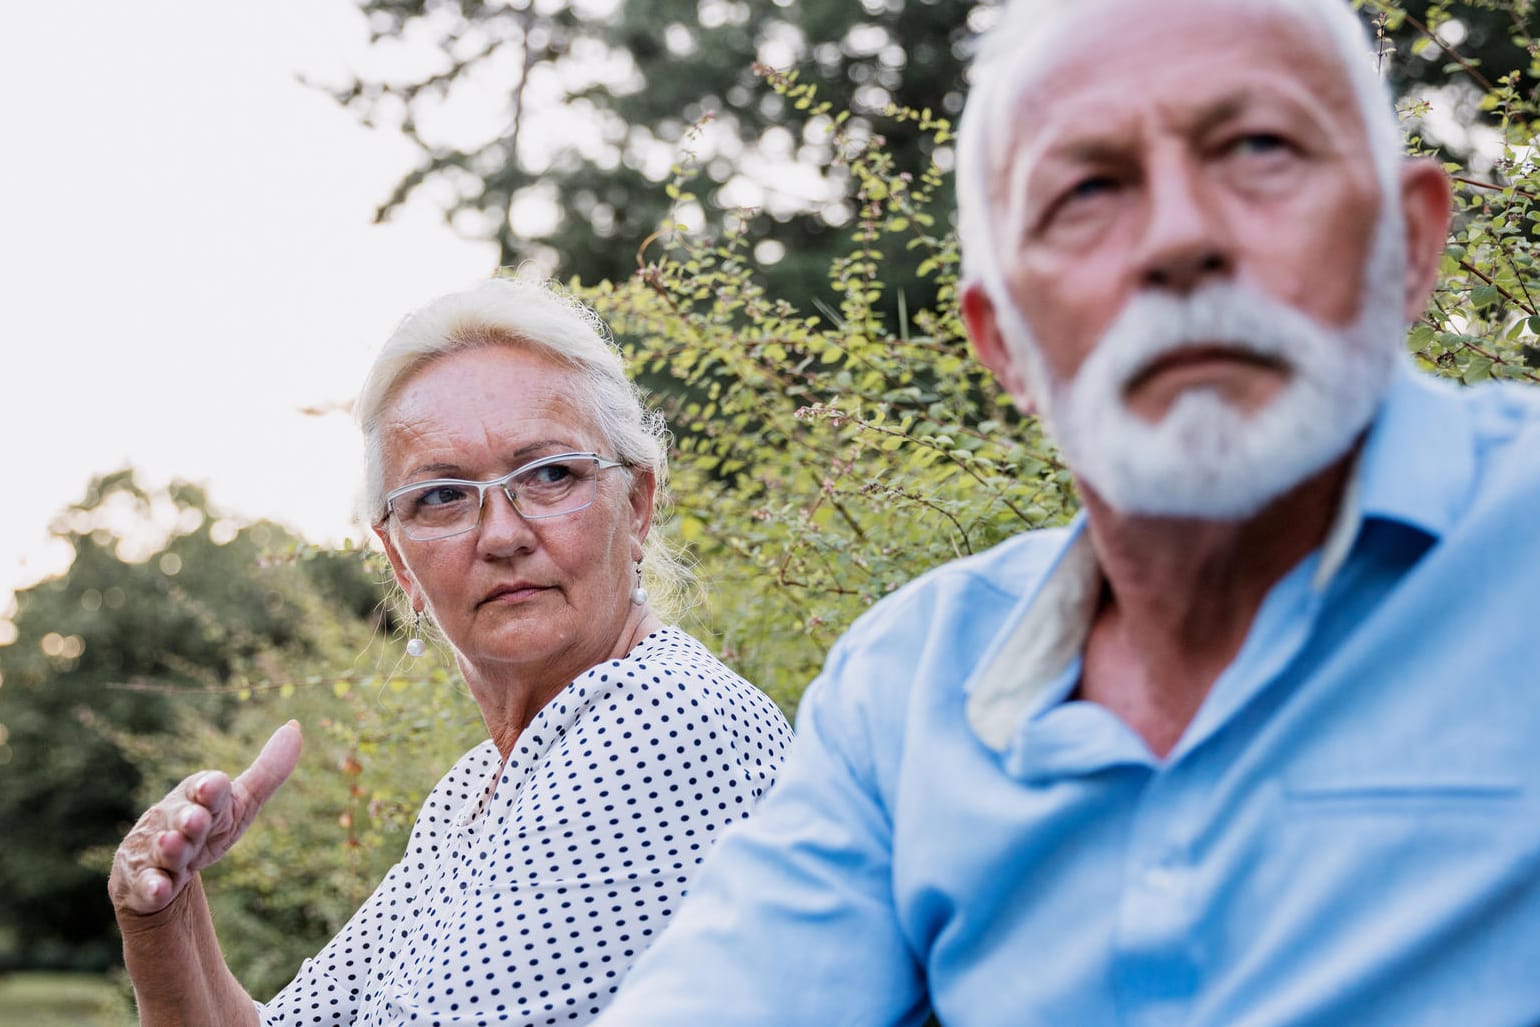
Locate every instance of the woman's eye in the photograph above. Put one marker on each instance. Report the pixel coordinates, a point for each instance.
(550, 474)
(440, 495)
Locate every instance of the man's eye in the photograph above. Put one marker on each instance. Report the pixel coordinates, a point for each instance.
(1256, 144)
(1090, 187)
(1082, 202)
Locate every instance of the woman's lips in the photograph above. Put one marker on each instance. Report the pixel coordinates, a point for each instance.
(513, 593)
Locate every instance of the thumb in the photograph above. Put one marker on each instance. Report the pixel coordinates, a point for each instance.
(271, 768)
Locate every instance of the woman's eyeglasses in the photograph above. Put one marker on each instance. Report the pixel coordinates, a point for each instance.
(549, 487)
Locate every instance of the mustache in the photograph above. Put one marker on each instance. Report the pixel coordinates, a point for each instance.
(1155, 330)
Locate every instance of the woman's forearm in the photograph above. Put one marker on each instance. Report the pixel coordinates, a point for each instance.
(179, 974)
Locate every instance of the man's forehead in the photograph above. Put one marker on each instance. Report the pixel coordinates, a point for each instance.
(1202, 59)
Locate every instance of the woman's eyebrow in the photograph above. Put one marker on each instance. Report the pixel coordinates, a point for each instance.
(435, 471)
(532, 450)
(522, 455)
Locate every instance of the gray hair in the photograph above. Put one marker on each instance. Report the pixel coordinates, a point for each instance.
(535, 316)
(1029, 34)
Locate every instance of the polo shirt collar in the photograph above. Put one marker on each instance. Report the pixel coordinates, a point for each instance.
(1416, 467)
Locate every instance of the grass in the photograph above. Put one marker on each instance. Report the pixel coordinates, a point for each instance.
(62, 1000)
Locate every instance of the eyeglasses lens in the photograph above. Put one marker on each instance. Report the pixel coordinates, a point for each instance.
(543, 489)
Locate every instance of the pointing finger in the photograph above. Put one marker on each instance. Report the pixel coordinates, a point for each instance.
(271, 768)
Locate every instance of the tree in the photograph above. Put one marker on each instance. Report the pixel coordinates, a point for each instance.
(597, 102)
(163, 595)
(1472, 71)
(1464, 44)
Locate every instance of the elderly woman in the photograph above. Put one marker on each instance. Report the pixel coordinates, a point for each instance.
(512, 475)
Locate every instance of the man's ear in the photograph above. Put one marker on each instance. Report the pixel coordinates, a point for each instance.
(1425, 209)
(398, 567)
(983, 324)
(644, 487)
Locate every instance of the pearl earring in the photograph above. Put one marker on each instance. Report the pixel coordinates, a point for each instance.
(639, 594)
(415, 646)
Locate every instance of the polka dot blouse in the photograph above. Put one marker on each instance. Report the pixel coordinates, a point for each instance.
(528, 890)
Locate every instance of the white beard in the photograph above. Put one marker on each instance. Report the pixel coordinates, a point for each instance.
(1206, 458)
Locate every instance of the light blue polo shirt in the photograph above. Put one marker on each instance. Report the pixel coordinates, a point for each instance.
(1347, 833)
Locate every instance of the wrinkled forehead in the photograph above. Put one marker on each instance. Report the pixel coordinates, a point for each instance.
(484, 408)
(1043, 51)
(1188, 51)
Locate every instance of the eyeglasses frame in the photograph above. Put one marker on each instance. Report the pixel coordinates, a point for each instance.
(481, 488)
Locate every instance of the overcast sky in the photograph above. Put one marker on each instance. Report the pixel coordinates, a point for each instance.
(188, 259)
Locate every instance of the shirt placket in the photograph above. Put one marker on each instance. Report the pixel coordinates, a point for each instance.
(1166, 914)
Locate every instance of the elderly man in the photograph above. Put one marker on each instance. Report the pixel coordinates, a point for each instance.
(1242, 745)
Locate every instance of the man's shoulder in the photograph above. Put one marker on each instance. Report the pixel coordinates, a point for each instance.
(1502, 412)
(1496, 411)
(1478, 440)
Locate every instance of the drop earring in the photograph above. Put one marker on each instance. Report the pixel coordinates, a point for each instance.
(415, 646)
(638, 594)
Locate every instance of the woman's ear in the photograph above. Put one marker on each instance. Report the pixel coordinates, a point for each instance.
(644, 488)
(398, 567)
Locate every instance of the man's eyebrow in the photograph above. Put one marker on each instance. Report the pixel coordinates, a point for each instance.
(1224, 108)
(1085, 151)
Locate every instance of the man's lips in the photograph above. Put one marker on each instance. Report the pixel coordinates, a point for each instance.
(1195, 358)
(513, 593)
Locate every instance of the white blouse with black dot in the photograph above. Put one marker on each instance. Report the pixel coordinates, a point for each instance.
(526, 894)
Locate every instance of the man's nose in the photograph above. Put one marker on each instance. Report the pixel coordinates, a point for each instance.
(1185, 244)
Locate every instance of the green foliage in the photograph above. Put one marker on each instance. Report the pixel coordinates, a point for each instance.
(826, 457)
(164, 604)
(62, 1000)
(1484, 321)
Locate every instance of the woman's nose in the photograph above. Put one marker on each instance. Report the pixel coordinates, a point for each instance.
(502, 529)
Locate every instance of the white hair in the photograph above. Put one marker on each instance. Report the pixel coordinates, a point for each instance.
(538, 317)
(1030, 33)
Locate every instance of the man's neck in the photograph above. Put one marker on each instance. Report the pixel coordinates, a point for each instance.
(1180, 596)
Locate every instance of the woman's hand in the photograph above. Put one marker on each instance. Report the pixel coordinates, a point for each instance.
(194, 826)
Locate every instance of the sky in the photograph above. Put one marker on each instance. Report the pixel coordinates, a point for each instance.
(189, 262)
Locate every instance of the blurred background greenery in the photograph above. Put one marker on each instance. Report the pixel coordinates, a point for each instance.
(64, 1000)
